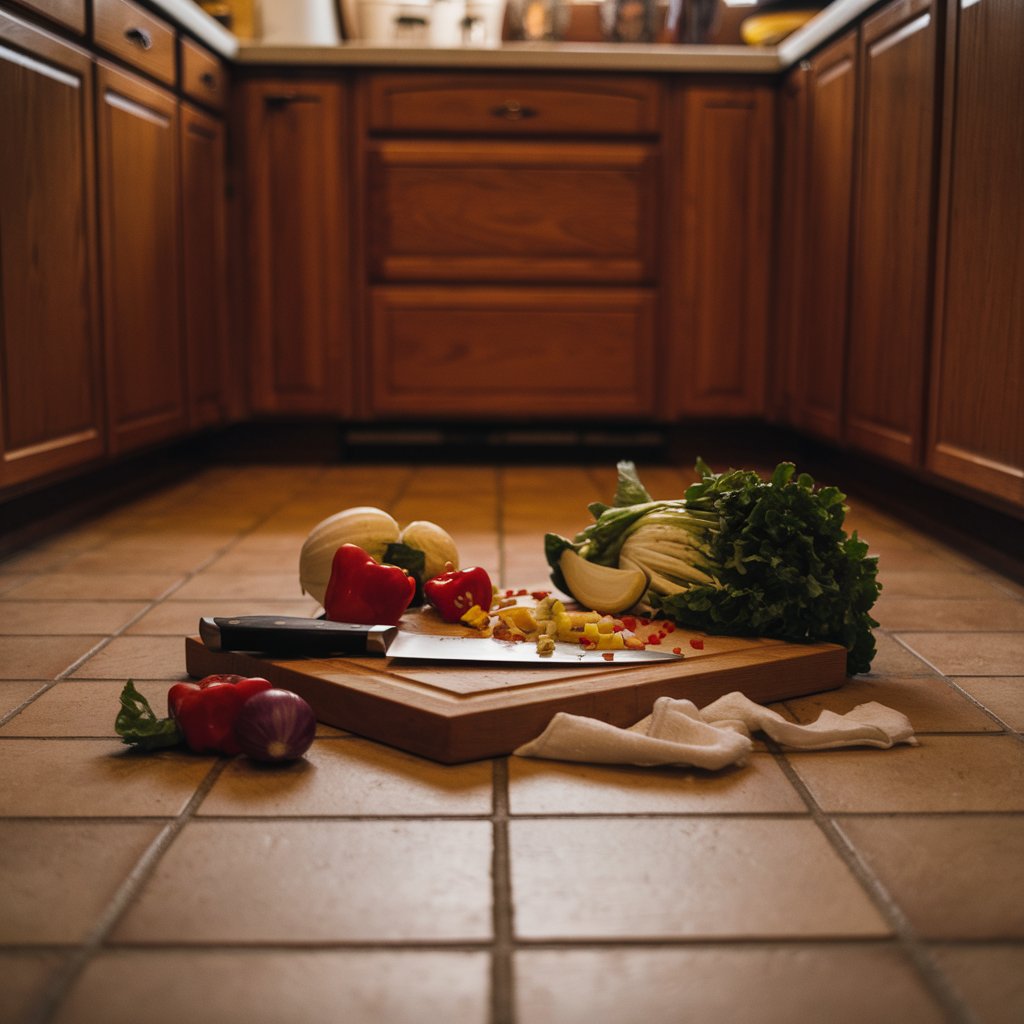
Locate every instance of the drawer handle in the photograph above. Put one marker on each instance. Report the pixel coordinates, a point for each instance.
(140, 37)
(513, 110)
(209, 79)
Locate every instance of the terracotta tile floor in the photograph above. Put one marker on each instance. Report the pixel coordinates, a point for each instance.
(366, 884)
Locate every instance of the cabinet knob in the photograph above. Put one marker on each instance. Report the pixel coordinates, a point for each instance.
(513, 110)
(209, 79)
(140, 37)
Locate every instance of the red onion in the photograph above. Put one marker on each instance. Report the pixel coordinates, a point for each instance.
(275, 725)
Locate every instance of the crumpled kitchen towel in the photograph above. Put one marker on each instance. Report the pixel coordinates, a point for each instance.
(678, 733)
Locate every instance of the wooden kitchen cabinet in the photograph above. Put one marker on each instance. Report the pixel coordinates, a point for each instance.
(722, 235)
(976, 414)
(293, 164)
(891, 269)
(51, 395)
(820, 344)
(204, 266)
(140, 221)
(509, 227)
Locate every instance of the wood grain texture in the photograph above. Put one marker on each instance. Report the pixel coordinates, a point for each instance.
(132, 34)
(456, 713)
(203, 77)
(523, 104)
(512, 211)
(976, 419)
(140, 220)
(512, 352)
(69, 13)
(204, 265)
(51, 395)
(294, 167)
(824, 273)
(720, 287)
(891, 265)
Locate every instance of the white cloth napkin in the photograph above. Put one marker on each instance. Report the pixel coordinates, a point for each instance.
(678, 733)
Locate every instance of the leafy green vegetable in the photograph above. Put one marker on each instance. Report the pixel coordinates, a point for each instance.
(413, 561)
(743, 556)
(138, 726)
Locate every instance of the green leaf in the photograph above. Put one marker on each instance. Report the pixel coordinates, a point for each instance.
(138, 726)
(629, 491)
(413, 561)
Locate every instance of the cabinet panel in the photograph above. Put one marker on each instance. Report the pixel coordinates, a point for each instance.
(203, 77)
(891, 270)
(511, 211)
(70, 13)
(50, 375)
(721, 297)
(513, 105)
(977, 412)
(294, 172)
(204, 279)
(826, 258)
(512, 352)
(125, 30)
(139, 211)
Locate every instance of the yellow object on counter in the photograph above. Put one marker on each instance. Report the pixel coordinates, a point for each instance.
(770, 29)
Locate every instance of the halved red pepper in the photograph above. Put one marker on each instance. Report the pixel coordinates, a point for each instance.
(455, 592)
(362, 590)
(206, 711)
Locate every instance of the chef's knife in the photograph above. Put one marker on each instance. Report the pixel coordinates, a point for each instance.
(293, 636)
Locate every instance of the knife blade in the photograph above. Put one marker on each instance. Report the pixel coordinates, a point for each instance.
(294, 636)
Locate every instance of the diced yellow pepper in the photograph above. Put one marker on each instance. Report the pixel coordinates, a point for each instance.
(477, 618)
(519, 617)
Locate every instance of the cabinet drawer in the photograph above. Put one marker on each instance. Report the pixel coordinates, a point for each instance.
(127, 31)
(518, 352)
(202, 75)
(513, 105)
(70, 13)
(510, 211)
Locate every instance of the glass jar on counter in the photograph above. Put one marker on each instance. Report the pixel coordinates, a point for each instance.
(538, 20)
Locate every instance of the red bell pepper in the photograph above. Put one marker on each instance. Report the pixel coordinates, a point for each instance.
(455, 592)
(206, 711)
(362, 590)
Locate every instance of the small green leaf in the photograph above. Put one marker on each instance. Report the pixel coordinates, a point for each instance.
(138, 726)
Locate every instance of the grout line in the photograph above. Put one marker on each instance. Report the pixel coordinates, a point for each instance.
(914, 948)
(502, 970)
(125, 895)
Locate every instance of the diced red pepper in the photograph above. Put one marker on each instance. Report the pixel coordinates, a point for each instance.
(697, 643)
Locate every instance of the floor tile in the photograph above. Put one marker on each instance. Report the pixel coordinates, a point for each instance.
(181, 618)
(969, 654)
(66, 617)
(56, 879)
(13, 694)
(357, 987)
(230, 586)
(893, 659)
(931, 704)
(351, 777)
(841, 984)
(321, 881)
(109, 586)
(74, 708)
(42, 657)
(137, 657)
(23, 978)
(547, 787)
(659, 878)
(945, 773)
(1003, 696)
(931, 614)
(990, 979)
(954, 877)
(951, 582)
(94, 778)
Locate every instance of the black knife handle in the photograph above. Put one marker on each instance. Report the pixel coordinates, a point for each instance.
(293, 635)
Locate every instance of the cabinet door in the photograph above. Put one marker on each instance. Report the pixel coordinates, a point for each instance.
(826, 245)
(723, 234)
(790, 190)
(294, 172)
(512, 353)
(976, 424)
(139, 210)
(203, 260)
(891, 272)
(50, 384)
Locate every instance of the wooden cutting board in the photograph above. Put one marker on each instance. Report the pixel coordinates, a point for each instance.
(464, 712)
